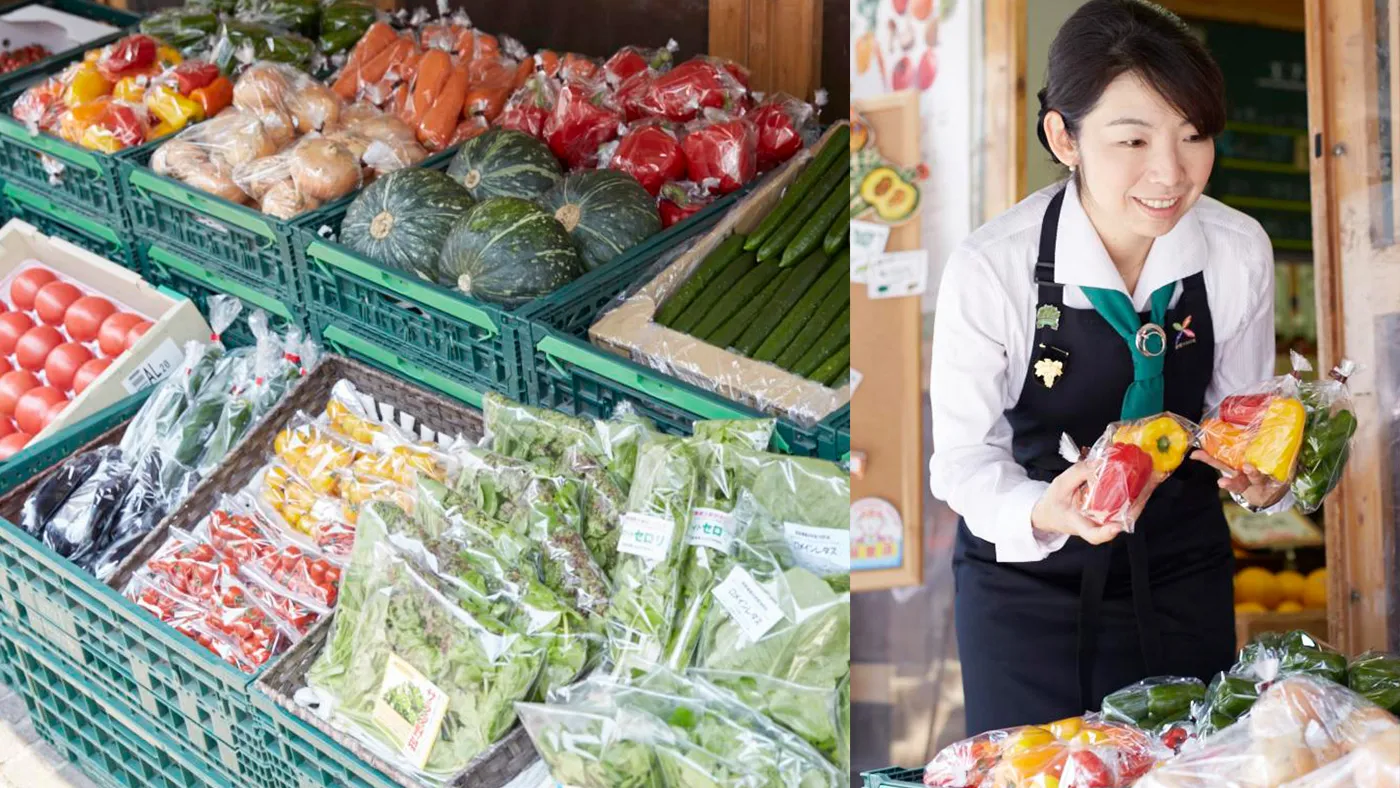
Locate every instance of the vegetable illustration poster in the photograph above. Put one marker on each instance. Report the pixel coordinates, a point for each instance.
(927, 46)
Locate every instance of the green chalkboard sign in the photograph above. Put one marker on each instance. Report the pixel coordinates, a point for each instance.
(1261, 164)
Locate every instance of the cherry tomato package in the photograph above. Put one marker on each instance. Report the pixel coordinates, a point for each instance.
(680, 201)
(785, 126)
(186, 616)
(721, 152)
(255, 633)
(649, 152)
(584, 118)
(1128, 462)
(189, 565)
(1077, 752)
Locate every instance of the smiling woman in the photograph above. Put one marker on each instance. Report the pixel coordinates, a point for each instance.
(1039, 334)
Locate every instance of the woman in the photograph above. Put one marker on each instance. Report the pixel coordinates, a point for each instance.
(1151, 298)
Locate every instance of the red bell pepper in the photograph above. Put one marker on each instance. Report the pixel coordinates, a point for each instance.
(629, 61)
(583, 121)
(127, 123)
(722, 156)
(782, 122)
(1121, 478)
(678, 204)
(682, 93)
(1244, 409)
(128, 56)
(192, 75)
(650, 154)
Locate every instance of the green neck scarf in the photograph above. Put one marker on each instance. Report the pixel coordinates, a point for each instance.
(1145, 396)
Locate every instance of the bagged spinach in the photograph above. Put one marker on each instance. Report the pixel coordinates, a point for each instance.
(651, 552)
(51, 494)
(588, 747)
(80, 524)
(730, 456)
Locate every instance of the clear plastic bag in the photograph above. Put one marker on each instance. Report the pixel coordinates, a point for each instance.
(1154, 704)
(185, 616)
(290, 499)
(54, 491)
(1374, 763)
(721, 151)
(529, 108)
(584, 119)
(649, 152)
(1327, 434)
(1129, 461)
(681, 94)
(677, 202)
(1300, 726)
(785, 126)
(1376, 677)
(256, 633)
(1077, 752)
(629, 61)
(78, 529)
(1261, 426)
(145, 505)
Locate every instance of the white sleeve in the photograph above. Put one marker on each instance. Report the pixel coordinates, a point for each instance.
(972, 469)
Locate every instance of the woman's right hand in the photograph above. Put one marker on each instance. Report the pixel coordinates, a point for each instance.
(1057, 511)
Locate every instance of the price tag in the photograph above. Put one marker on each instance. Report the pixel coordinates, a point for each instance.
(410, 708)
(711, 528)
(868, 241)
(752, 608)
(161, 362)
(646, 536)
(898, 274)
(823, 551)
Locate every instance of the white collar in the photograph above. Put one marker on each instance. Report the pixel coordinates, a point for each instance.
(1082, 260)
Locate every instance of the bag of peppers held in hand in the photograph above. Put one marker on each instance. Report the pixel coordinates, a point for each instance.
(1327, 433)
(1129, 461)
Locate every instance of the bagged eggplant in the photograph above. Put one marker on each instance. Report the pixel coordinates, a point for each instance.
(80, 525)
(1129, 461)
(50, 496)
(143, 508)
(1327, 434)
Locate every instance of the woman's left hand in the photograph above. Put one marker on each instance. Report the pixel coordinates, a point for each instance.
(1259, 489)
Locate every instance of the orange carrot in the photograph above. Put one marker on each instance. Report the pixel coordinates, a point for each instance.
(436, 128)
(433, 71)
(375, 40)
(374, 69)
(399, 103)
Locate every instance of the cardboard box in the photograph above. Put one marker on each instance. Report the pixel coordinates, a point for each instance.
(175, 319)
(629, 330)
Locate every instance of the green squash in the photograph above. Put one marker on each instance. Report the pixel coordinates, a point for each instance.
(505, 163)
(508, 251)
(402, 219)
(605, 211)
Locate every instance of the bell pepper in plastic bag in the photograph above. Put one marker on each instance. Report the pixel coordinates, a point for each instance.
(173, 109)
(1279, 437)
(86, 83)
(1120, 479)
(1376, 676)
(1077, 752)
(529, 107)
(681, 94)
(630, 61)
(193, 75)
(582, 121)
(1163, 438)
(185, 28)
(784, 126)
(1331, 423)
(721, 155)
(1152, 703)
(131, 55)
(677, 202)
(1262, 426)
(651, 154)
(1273, 655)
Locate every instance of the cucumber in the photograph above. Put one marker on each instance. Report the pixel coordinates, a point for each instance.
(836, 302)
(712, 293)
(838, 144)
(810, 237)
(741, 320)
(836, 335)
(836, 236)
(714, 262)
(801, 312)
(739, 295)
(774, 244)
(806, 274)
(831, 369)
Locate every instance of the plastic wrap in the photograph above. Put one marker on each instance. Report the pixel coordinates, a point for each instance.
(1327, 434)
(721, 151)
(649, 152)
(681, 94)
(51, 494)
(186, 617)
(629, 61)
(402, 647)
(1128, 463)
(529, 108)
(1154, 704)
(1274, 655)
(1300, 727)
(1261, 426)
(241, 43)
(1376, 677)
(185, 441)
(1374, 763)
(1076, 752)
(321, 518)
(81, 524)
(256, 634)
(677, 202)
(145, 505)
(584, 119)
(785, 126)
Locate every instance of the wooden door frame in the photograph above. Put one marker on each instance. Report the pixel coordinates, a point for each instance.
(1005, 91)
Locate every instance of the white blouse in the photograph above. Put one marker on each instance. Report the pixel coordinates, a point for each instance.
(984, 327)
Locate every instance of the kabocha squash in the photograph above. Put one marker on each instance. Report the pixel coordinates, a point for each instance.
(505, 163)
(508, 251)
(606, 212)
(403, 219)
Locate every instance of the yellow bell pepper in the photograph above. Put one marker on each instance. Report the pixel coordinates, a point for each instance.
(1275, 446)
(1164, 440)
(128, 89)
(100, 139)
(86, 84)
(159, 130)
(168, 57)
(173, 108)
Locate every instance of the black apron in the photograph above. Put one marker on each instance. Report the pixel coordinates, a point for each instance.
(1044, 640)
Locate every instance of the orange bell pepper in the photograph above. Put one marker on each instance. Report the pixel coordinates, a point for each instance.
(129, 89)
(214, 97)
(1225, 442)
(86, 84)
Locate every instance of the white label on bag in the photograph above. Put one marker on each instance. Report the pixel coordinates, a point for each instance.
(752, 608)
(411, 709)
(646, 536)
(711, 528)
(160, 363)
(822, 551)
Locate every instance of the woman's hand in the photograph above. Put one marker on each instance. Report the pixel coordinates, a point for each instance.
(1260, 490)
(1057, 511)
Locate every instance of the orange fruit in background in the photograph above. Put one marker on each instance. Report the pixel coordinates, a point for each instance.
(921, 9)
(1315, 590)
(1257, 585)
(865, 52)
(1250, 607)
(1289, 606)
(1290, 585)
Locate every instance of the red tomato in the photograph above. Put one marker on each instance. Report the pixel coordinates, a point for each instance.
(88, 372)
(30, 410)
(54, 411)
(53, 300)
(12, 327)
(86, 315)
(137, 331)
(111, 337)
(12, 443)
(7, 427)
(27, 285)
(63, 363)
(14, 385)
(36, 345)
(5, 366)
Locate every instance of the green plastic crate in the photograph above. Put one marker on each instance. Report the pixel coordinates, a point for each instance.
(565, 372)
(37, 457)
(115, 17)
(181, 275)
(113, 243)
(313, 758)
(894, 777)
(114, 744)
